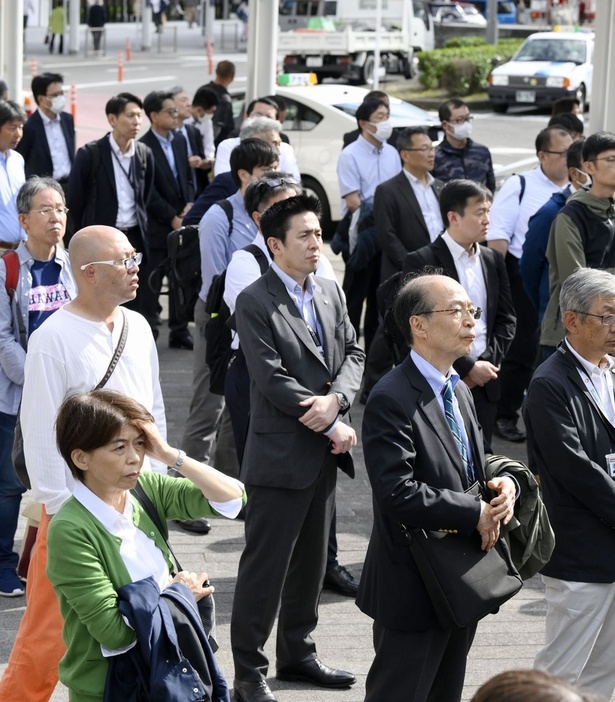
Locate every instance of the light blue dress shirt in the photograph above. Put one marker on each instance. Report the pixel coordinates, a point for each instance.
(12, 177)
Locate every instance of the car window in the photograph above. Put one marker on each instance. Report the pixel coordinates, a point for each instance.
(506, 8)
(553, 50)
(300, 118)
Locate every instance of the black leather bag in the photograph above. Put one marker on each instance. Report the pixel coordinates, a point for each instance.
(464, 582)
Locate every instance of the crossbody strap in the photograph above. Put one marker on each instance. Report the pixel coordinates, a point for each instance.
(141, 496)
(116, 354)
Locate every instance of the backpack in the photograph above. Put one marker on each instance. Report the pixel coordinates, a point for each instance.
(11, 262)
(218, 333)
(183, 266)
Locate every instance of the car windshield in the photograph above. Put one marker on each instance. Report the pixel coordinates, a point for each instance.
(557, 50)
(402, 113)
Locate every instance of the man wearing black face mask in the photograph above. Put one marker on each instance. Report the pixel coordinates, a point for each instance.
(457, 156)
(583, 233)
(48, 143)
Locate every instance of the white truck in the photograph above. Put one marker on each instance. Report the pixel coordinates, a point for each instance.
(345, 40)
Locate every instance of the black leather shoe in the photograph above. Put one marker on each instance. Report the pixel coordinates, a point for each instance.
(182, 340)
(341, 581)
(507, 429)
(251, 691)
(196, 526)
(316, 673)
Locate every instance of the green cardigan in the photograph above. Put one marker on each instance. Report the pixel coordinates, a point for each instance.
(85, 568)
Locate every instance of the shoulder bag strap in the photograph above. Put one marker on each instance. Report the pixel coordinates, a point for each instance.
(116, 354)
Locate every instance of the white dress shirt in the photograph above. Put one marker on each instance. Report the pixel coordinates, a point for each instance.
(599, 381)
(57, 146)
(124, 188)
(428, 202)
(472, 280)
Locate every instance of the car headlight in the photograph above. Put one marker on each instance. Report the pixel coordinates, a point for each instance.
(555, 82)
(499, 80)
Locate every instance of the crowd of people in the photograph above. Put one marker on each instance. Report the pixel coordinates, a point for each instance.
(474, 306)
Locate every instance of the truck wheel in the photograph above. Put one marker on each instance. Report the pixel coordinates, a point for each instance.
(581, 97)
(408, 68)
(367, 72)
(313, 187)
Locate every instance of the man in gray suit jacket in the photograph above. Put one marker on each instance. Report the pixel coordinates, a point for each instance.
(305, 368)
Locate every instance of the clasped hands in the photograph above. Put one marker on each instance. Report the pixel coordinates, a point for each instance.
(497, 512)
(197, 583)
(321, 413)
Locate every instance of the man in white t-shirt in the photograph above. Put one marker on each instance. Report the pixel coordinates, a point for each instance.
(71, 353)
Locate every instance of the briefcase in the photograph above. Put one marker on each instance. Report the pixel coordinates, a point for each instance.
(464, 583)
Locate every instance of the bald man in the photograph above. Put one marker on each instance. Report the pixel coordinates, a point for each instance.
(71, 353)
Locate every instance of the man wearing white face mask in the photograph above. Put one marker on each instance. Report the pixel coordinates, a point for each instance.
(457, 156)
(48, 144)
(361, 167)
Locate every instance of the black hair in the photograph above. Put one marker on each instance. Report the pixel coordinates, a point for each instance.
(10, 111)
(446, 108)
(154, 101)
(41, 82)
(567, 121)
(205, 97)
(404, 138)
(596, 144)
(250, 154)
(543, 140)
(412, 298)
(574, 158)
(455, 195)
(265, 100)
(275, 220)
(267, 187)
(367, 108)
(117, 104)
(565, 104)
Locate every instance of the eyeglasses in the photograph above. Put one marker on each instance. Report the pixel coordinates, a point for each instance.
(460, 120)
(46, 211)
(610, 160)
(59, 93)
(607, 320)
(276, 182)
(423, 149)
(171, 111)
(562, 154)
(458, 312)
(128, 263)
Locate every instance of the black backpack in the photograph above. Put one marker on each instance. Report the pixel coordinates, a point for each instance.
(218, 333)
(183, 266)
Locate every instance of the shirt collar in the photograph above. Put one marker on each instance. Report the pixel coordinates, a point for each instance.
(368, 146)
(590, 368)
(432, 375)
(48, 120)
(162, 139)
(457, 251)
(292, 285)
(118, 152)
(111, 520)
(413, 179)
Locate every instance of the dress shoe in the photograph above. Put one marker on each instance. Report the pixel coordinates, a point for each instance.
(341, 581)
(252, 691)
(181, 340)
(196, 526)
(507, 429)
(316, 673)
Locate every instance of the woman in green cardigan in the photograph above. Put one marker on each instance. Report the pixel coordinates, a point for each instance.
(102, 539)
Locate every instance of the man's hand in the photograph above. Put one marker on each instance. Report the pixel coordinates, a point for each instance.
(194, 161)
(482, 372)
(504, 504)
(343, 438)
(176, 223)
(323, 409)
(488, 526)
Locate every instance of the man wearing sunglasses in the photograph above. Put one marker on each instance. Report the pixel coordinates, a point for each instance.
(71, 353)
(583, 233)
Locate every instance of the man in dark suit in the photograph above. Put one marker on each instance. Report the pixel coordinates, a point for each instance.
(199, 166)
(419, 471)
(171, 197)
(569, 415)
(224, 124)
(482, 273)
(112, 178)
(305, 368)
(48, 143)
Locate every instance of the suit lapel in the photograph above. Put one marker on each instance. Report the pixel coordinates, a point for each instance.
(492, 286)
(431, 409)
(472, 434)
(43, 140)
(326, 316)
(445, 258)
(162, 162)
(287, 308)
(413, 202)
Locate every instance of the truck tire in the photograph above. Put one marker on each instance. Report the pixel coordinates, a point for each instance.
(367, 71)
(408, 67)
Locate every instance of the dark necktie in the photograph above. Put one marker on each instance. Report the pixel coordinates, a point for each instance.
(447, 395)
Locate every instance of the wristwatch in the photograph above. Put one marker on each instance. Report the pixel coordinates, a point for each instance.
(342, 401)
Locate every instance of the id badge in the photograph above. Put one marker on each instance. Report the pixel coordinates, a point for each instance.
(610, 464)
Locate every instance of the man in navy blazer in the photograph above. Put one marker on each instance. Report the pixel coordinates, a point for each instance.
(419, 477)
(305, 368)
(481, 271)
(171, 197)
(48, 142)
(569, 414)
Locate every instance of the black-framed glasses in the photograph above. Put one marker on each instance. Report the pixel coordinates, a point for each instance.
(171, 111)
(128, 263)
(562, 154)
(422, 149)
(607, 320)
(610, 160)
(458, 312)
(46, 211)
(460, 120)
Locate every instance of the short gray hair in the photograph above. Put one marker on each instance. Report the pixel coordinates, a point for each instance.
(413, 298)
(254, 126)
(33, 186)
(582, 287)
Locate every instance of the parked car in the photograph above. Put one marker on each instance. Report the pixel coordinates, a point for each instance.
(547, 66)
(318, 117)
(443, 12)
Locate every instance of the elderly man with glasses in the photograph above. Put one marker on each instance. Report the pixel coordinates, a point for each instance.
(70, 353)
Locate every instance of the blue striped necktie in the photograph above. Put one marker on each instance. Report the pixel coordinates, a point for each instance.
(447, 395)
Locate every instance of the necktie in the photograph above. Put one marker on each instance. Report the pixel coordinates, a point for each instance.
(447, 395)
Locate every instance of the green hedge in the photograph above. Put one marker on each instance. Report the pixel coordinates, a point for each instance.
(462, 67)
